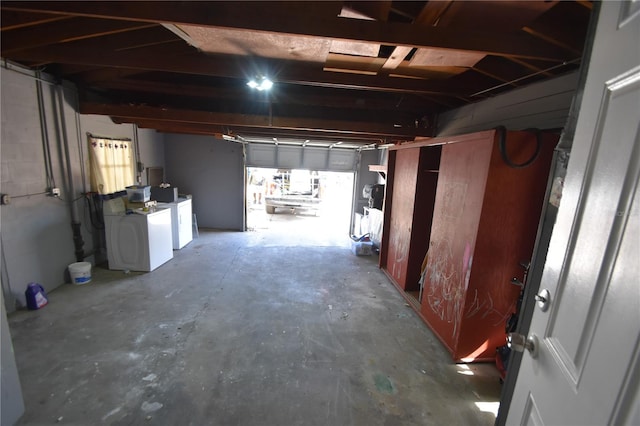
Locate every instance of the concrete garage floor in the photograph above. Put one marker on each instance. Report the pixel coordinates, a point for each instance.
(250, 328)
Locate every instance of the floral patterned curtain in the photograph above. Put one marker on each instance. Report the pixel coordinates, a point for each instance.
(112, 162)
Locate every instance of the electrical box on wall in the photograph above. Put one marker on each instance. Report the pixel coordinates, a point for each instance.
(5, 199)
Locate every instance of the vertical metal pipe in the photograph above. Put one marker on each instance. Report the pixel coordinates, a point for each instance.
(71, 192)
(45, 134)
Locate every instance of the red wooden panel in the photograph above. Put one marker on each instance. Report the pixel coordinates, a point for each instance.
(512, 205)
(461, 183)
(401, 215)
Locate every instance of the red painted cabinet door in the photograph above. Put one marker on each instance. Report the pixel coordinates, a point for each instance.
(485, 221)
(401, 216)
(461, 186)
(511, 208)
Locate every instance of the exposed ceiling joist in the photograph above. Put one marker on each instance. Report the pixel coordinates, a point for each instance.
(285, 17)
(225, 66)
(66, 31)
(366, 71)
(132, 113)
(12, 20)
(304, 97)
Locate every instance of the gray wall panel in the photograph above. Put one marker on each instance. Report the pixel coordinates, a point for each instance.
(12, 402)
(542, 105)
(212, 171)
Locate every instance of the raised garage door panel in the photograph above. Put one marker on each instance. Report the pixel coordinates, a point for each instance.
(289, 157)
(297, 157)
(342, 160)
(315, 158)
(261, 156)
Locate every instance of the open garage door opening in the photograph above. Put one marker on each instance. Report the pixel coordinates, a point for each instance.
(308, 205)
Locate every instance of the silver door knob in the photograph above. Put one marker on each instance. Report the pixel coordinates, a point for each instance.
(519, 343)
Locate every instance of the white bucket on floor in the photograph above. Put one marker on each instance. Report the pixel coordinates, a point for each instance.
(80, 272)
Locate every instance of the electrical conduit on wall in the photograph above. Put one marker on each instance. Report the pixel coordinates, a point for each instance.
(45, 134)
(61, 127)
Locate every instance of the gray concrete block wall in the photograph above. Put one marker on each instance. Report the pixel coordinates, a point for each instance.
(22, 158)
(35, 229)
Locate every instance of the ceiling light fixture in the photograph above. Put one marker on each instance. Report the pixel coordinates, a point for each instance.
(263, 84)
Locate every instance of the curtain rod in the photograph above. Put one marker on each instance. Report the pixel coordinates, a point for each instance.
(109, 139)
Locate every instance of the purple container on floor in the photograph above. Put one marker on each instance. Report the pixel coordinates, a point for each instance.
(36, 296)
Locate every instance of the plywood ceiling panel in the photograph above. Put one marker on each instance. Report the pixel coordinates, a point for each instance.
(353, 64)
(445, 57)
(254, 43)
(427, 72)
(356, 49)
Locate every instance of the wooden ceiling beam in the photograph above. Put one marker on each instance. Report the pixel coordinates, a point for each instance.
(145, 112)
(305, 18)
(531, 67)
(173, 127)
(13, 20)
(66, 31)
(553, 39)
(396, 57)
(432, 11)
(502, 70)
(291, 97)
(234, 67)
(217, 130)
(492, 75)
(144, 38)
(65, 71)
(100, 75)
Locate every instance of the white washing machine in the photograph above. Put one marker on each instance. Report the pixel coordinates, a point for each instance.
(181, 219)
(139, 241)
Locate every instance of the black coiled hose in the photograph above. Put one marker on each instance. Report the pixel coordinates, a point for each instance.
(502, 146)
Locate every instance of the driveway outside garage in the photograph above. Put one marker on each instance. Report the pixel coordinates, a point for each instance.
(329, 226)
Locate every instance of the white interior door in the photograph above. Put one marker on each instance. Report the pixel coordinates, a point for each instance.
(587, 364)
